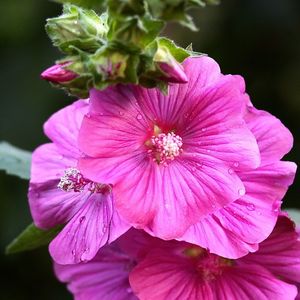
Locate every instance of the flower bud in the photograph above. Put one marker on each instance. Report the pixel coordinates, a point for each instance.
(170, 67)
(58, 74)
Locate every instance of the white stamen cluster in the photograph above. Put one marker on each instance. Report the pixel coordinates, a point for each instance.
(72, 180)
(165, 147)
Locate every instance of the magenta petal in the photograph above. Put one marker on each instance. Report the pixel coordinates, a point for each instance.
(105, 277)
(87, 231)
(49, 164)
(162, 275)
(51, 206)
(280, 253)
(63, 127)
(236, 229)
(273, 138)
(252, 282)
(192, 191)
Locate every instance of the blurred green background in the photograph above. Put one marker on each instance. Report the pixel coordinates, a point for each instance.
(259, 39)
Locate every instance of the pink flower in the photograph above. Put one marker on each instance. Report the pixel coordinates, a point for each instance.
(189, 158)
(59, 194)
(160, 270)
(178, 270)
(58, 74)
(105, 277)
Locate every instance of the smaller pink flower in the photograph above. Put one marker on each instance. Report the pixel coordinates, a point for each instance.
(179, 270)
(60, 194)
(58, 74)
(160, 270)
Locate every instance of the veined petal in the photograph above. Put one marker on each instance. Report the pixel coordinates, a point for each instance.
(49, 164)
(236, 229)
(105, 277)
(51, 206)
(163, 276)
(63, 127)
(87, 231)
(273, 138)
(280, 253)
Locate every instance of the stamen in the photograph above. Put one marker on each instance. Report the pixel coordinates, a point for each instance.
(73, 181)
(165, 147)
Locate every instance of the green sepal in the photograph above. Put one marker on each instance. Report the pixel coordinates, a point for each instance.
(79, 28)
(32, 238)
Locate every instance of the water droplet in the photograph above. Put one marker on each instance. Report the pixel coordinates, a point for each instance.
(230, 171)
(208, 150)
(73, 252)
(60, 157)
(194, 169)
(167, 206)
(139, 117)
(82, 219)
(88, 116)
(250, 206)
(241, 192)
(213, 206)
(203, 129)
(104, 228)
(186, 115)
(236, 164)
(121, 113)
(259, 213)
(101, 114)
(129, 290)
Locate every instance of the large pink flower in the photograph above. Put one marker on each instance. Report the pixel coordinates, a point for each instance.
(160, 270)
(59, 194)
(178, 270)
(189, 158)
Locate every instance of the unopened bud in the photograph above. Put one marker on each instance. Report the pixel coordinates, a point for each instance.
(172, 69)
(58, 74)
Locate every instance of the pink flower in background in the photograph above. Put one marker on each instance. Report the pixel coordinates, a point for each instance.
(160, 270)
(178, 270)
(59, 194)
(58, 74)
(105, 277)
(238, 228)
(190, 159)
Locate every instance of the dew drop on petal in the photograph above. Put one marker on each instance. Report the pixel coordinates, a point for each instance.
(241, 192)
(82, 219)
(121, 113)
(73, 252)
(236, 164)
(230, 171)
(250, 206)
(139, 117)
(203, 129)
(129, 290)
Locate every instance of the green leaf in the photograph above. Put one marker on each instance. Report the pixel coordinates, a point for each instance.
(14, 160)
(32, 238)
(294, 214)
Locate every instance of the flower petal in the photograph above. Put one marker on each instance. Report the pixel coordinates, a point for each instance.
(51, 206)
(87, 231)
(105, 277)
(236, 229)
(280, 253)
(162, 275)
(49, 164)
(274, 139)
(252, 282)
(63, 127)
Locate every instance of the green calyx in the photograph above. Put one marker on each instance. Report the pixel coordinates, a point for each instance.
(122, 45)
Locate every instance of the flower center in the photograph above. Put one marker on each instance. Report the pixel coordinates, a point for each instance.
(165, 147)
(207, 265)
(73, 181)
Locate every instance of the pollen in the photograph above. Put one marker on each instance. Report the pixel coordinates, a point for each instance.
(165, 147)
(74, 181)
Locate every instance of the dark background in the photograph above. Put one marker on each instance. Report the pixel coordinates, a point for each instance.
(259, 39)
